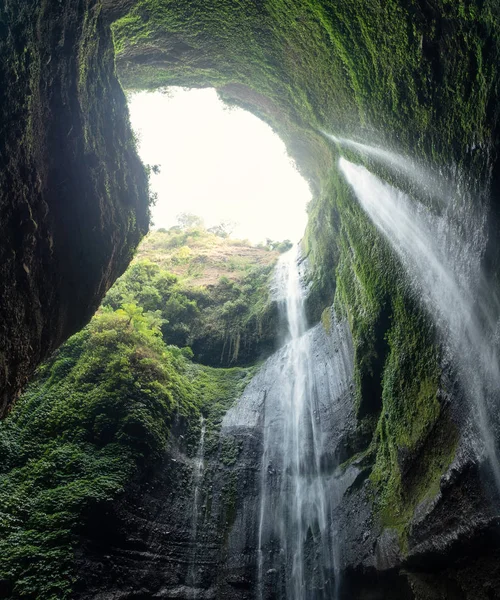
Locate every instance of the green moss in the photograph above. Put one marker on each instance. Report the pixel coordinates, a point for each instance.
(99, 411)
(338, 66)
(217, 390)
(326, 319)
(397, 495)
(410, 455)
(229, 451)
(411, 377)
(396, 360)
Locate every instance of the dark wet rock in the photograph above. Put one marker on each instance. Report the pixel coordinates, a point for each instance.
(387, 550)
(143, 547)
(73, 194)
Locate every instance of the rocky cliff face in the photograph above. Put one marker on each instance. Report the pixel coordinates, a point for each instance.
(190, 532)
(73, 199)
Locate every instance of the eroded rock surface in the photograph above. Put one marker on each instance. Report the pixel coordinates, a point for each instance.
(159, 542)
(73, 193)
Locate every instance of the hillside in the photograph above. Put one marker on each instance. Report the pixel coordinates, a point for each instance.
(211, 294)
(200, 258)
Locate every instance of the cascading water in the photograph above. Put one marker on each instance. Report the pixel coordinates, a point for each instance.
(445, 271)
(429, 183)
(295, 538)
(197, 480)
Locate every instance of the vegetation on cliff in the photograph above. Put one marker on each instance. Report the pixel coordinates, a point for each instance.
(101, 410)
(212, 292)
(98, 409)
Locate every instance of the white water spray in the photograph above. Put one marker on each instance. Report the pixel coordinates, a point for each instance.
(428, 182)
(295, 527)
(445, 271)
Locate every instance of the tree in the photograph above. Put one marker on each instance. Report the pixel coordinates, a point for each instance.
(187, 220)
(279, 246)
(224, 229)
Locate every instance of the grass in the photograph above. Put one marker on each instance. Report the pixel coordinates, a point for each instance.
(199, 257)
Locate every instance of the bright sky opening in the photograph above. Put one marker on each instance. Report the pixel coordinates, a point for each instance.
(220, 163)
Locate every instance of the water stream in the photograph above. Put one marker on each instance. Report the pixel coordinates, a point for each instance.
(197, 478)
(444, 269)
(430, 183)
(295, 537)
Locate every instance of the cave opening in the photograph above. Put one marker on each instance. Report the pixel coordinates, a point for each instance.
(217, 162)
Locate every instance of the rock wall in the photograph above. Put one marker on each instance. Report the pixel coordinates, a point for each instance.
(73, 193)
(159, 542)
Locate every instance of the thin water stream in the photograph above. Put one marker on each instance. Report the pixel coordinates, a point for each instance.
(197, 478)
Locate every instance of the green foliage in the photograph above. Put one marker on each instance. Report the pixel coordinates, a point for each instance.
(99, 409)
(229, 321)
(280, 247)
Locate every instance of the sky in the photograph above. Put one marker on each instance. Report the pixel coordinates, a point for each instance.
(218, 163)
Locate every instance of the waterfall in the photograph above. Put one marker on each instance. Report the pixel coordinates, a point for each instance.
(295, 537)
(444, 268)
(197, 478)
(434, 185)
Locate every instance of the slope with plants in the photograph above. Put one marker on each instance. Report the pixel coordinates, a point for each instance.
(101, 411)
(212, 293)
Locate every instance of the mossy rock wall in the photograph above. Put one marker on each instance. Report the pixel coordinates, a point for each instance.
(73, 193)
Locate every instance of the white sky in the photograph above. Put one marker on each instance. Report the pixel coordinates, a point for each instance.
(218, 163)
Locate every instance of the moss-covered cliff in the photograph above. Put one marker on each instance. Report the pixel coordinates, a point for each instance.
(73, 193)
(419, 75)
(415, 76)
